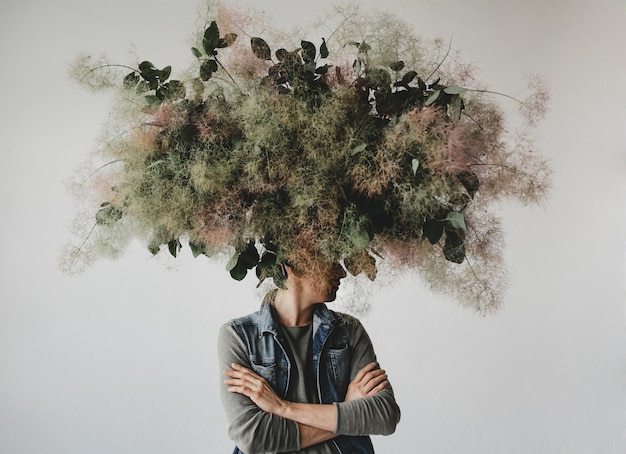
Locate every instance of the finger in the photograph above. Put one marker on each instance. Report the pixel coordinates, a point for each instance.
(379, 387)
(376, 381)
(372, 375)
(363, 371)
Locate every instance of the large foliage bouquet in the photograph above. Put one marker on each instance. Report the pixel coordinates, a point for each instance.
(364, 146)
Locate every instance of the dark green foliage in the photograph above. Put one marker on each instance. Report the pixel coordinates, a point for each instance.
(310, 163)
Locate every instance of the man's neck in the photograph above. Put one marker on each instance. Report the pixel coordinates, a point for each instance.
(292, 309)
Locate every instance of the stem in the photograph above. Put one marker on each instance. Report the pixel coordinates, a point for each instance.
(497, 93)
(227, 73)
(98, 170)
(108, 65)
(442, 60)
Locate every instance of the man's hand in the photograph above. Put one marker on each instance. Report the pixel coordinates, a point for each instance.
(368, 381)
(244, 381)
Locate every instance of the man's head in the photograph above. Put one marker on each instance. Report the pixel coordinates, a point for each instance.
(319, 283)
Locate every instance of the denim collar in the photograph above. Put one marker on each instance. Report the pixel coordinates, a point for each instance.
(267, 322)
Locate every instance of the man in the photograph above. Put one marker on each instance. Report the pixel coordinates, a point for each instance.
(303, 378)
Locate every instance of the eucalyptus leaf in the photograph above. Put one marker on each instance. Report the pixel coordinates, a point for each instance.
(456, 220)
(249, 257)
(142, 87)
(454, 90)
(453, 248)
(266, 266)
(196, 52)
(197, 249)
(107, 214)
(433, 231)
(164, 74)
(228, 40)
(408, 77)
(358, 149)
(432, 98)
(260, 48)
(148, 71)
(232, 263)
(211, 38)
(131, 80)
(455, 108)
(322, 69)
(308, 51)
(207, 69)
(174, 247)
(415, 163)
(239, 272)
(357, 234)
(281, 54)
(323, 49)
(175, 90)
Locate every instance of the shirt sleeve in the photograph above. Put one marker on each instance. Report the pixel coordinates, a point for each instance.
(253, 430)
(375, 415)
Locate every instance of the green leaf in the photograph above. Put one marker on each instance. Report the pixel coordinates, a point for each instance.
(228, 40)
(281, 54)
(323, 49)
(260, 48)
(432, 98)
(207, 69)
(470, 181)
(142, 87)
(308, 51)
(249, 257)
(408, 77)
(454, 90)
(153, 100)
(456, 220)
(174, 247)
(154, 248)
(357, 234)
(453, 248)
(415, 163)
(378, 78)
(196, 52)
(165, 73)
(358, 149)
(322, 69)
(175, 90)
(239, 272)
(397, 65)
(107, 214)
(232, 263)
(197, 249)
(433, 230)
(455, 108)
(211, 38)
(265, 267)
(148, 71)
(131, 80)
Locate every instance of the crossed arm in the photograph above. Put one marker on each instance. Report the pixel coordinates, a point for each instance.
(257, 430)
(317, 422)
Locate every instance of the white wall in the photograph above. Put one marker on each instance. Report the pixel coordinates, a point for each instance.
(121, 358)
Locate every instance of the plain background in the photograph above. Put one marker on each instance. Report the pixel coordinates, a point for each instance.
(121, 359)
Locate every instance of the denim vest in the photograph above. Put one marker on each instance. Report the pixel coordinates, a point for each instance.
(331, 360)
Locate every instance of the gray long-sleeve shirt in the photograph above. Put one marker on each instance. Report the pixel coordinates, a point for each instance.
(256, 431)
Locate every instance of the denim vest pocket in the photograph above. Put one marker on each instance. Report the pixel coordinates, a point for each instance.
(267, 371)
(338, 366)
